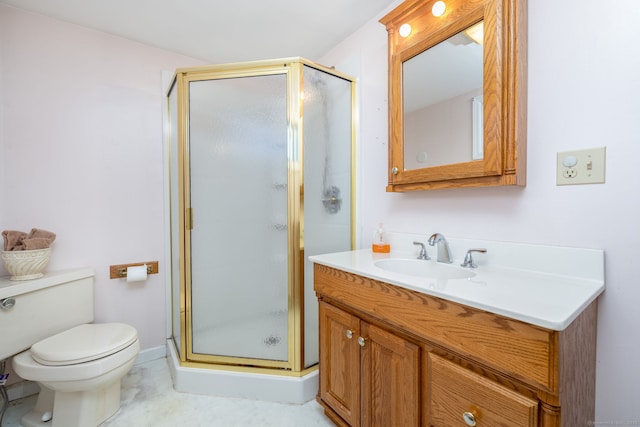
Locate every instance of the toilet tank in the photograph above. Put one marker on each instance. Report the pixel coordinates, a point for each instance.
(32, 310)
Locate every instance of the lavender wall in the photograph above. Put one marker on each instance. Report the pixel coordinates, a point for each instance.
(83, 157)
(583, 87)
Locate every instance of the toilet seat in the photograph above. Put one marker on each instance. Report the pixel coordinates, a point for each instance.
(26, 367)
(83, 343)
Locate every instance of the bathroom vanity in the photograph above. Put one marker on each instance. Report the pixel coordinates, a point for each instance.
(504, 347)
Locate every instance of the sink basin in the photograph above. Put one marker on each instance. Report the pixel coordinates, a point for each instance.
(422, 268)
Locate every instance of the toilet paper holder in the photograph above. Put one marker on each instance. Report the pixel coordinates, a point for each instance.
(120, 271)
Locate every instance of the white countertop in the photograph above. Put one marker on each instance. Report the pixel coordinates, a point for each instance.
(13, 288)
(550, 297)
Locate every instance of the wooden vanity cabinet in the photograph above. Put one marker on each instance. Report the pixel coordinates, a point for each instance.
(372, 381)
(390, 356)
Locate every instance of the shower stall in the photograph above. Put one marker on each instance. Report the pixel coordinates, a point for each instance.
(261, 176)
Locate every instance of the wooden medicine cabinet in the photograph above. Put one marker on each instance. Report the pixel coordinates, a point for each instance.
(457, 94)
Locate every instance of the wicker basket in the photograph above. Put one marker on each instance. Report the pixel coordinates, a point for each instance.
(26, 265)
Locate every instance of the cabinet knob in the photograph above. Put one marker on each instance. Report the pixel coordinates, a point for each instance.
(349, 333)
(362, 341)
(394, 170)
(469, 418)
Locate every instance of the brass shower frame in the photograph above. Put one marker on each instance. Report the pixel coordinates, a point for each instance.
(293, 69)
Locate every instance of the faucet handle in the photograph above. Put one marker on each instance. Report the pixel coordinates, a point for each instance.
(423, 251)
(468, 259)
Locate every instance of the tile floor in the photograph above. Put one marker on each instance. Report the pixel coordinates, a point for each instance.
(148, 399)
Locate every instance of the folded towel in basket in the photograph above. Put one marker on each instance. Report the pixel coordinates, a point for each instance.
(19, 241)
(13, 239)
(36, 243)
(38, 233)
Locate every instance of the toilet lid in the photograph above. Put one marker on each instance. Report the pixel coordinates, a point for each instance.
(83, 343)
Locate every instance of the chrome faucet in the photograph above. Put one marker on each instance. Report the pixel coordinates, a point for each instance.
(444, 253)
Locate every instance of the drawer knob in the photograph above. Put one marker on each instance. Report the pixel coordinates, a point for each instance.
(469, 418)
(362, 341)
(349, 333)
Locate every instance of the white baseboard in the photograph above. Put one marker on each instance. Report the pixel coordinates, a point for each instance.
(153, 353)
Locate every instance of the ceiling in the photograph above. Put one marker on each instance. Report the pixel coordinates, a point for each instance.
(217, 31)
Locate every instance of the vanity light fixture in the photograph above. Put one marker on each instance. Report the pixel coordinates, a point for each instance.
(405, 30)
(476, 32)
(438, 8)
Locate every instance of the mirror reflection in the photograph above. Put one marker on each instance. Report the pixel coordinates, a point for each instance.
(442, 102)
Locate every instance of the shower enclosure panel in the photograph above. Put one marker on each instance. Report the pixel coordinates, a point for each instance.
(261, 158)
(328, 176)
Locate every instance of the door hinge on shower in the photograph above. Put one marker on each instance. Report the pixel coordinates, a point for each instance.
(188, 219)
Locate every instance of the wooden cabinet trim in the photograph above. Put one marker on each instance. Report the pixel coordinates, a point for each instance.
(576, 369)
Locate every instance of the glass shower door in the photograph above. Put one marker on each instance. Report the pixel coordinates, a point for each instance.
(238, 151)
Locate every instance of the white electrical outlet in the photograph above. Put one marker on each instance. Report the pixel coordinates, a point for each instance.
(581, 167)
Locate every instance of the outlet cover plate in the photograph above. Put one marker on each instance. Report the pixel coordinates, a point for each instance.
(581, 166)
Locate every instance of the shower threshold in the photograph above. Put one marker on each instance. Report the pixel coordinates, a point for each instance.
(228, 383)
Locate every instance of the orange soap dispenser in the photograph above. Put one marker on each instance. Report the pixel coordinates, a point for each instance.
(380, 243)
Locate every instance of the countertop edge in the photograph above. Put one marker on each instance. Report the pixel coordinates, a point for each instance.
(555, 324)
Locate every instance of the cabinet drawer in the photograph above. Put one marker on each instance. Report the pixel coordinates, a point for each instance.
(460, 397)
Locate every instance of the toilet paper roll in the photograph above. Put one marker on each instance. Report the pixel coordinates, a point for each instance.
(137, 274)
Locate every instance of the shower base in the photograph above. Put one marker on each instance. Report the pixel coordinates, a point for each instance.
(271, 388)
(260, 337)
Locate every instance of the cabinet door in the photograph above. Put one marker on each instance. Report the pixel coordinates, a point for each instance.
(340, 362)
(461, 397)
(390, 379)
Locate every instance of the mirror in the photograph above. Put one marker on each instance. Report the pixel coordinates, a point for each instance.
(457, 107)
(442, 102)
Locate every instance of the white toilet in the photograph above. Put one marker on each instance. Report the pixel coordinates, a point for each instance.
(78, 365)
(79, 372)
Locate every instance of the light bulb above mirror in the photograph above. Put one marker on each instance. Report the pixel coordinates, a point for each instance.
(438, 8)
(405, 30)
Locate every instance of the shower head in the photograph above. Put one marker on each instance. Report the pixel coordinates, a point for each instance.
(315, 77)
